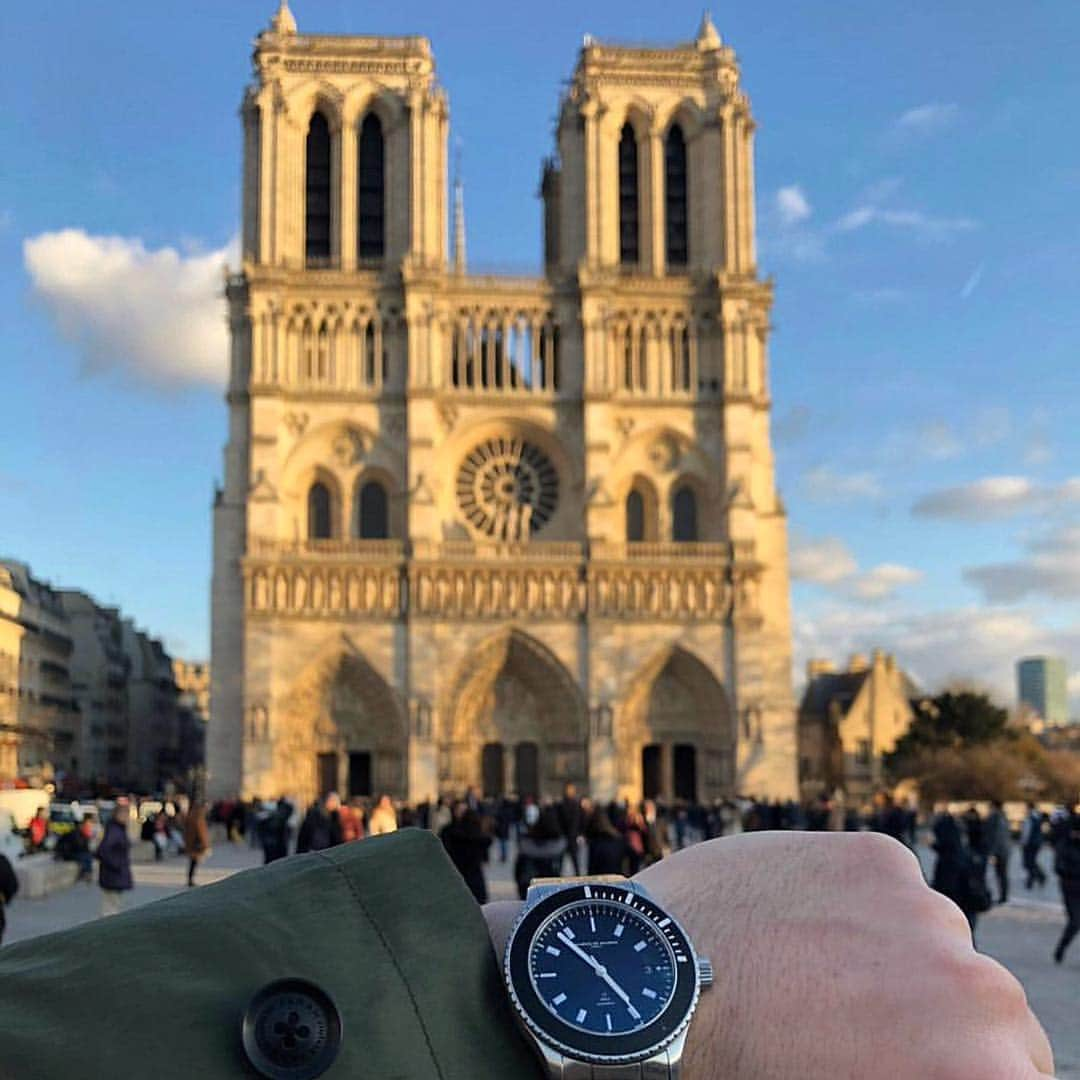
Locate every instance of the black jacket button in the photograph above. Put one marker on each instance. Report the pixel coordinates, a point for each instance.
(291, 1031)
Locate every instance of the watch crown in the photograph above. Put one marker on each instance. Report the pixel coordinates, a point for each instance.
(705, 972)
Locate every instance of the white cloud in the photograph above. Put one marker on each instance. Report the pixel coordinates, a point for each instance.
(825, 484)
(971, 644)
(883, 581)
(913, 221)
(821, 562)
(973, 281)
(792, 205)
(157, 315)
(829, 563)
(1050, 568)
(995, 497)
(927, 119)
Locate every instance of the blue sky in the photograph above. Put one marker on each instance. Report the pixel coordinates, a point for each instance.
(918, 182)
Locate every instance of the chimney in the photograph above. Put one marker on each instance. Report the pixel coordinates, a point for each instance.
(858, 664)
(814, 668)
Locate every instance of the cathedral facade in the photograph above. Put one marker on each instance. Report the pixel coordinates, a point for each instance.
(499, 531)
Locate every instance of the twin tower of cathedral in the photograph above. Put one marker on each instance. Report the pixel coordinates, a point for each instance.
(507, 532)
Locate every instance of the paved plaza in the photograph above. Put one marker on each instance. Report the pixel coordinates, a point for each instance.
(1020, 934)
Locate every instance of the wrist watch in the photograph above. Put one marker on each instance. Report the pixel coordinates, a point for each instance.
(603, 980)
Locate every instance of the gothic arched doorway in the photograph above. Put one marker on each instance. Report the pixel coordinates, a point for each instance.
(675, 735)
(342, 729)
(513, 693)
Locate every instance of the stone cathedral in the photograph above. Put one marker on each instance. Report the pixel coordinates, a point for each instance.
(499, 531)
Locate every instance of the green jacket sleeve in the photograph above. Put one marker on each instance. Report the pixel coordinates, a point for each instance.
(384, 926)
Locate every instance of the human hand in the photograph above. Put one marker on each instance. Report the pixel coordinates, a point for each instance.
(834, 960)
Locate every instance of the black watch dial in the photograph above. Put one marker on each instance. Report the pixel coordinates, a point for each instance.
(602, 967)
(602, 974)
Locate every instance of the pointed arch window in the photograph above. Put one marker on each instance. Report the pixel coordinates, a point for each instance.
(374, 512)
(320, 517)
(635, 518)
(317, 191)
(629, 227)
(371, 215)
(684, 516)
(369, 354)
(675, 198)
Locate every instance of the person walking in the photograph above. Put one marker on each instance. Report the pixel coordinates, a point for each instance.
(569, 811)
(383, 818)
(467, 845)
(274, 831)
(959, 872)
(321, 827)
(540, 849)
(196, 839)
(999, 847)
(9, 886)
(114, 862)
(1067, 867)
(1031, 840)
(607, 846)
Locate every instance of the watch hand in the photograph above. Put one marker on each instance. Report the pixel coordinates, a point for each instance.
(600, 970)
(580, 952)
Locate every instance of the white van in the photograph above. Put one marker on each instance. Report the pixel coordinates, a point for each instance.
(24, 803)
(11, 844)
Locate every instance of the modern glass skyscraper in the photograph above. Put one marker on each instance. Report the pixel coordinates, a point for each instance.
(1042, 685)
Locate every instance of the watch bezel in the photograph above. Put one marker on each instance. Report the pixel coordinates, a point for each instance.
(579, 1045)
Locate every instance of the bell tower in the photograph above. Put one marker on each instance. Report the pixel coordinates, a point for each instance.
(655, 151)
(344, 152)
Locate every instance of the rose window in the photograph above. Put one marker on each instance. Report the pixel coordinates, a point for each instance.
(507, 488)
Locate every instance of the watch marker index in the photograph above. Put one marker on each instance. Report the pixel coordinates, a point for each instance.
(640, 945)
(649, 993)
(664, 922)
(581, 1014)
(620, 929)
(552, 951)
(558, 999)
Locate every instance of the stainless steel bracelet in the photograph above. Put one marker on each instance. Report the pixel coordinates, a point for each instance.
(656, 1068)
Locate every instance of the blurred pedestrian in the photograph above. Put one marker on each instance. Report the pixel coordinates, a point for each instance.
(999, 846)
(352, 821)
(383, 818)
(959, 871)
(274, 831)
(976, 833)
(321, 827)
(1031, 840)
(9, 886)
(196, 839)
(114, 861)
(569, 811)
(467, 845)
(607, 846)
(38, 830)
(1067, 867)
(540, 849)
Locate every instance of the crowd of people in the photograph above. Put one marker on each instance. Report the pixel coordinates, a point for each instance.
(967, 846)
(572, 834)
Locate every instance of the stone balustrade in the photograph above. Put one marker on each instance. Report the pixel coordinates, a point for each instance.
(487, 580)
